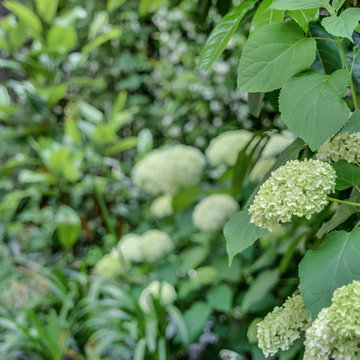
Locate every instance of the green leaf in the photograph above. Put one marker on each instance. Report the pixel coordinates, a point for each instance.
(178, 319)
(255, 101)
(342, 213)
(353, 125)
(274, 54)
(296, 5)
(222, 34)
(185, 197)
(334, 264)
(114, 4)
(24, 14)
(68, 226)
(220, 298)
(312, 107)
(146, 6)
(347, 175)
(265, 15)
(303, 17)
(344, 24)
(61, 39)
(337, 4)
(195, 319)
(47, 9)
(240, 233)
(264, 282)
(101, 39)
(140, 348)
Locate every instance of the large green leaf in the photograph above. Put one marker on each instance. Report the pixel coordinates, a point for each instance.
(347, 175)
(274, 54)
(24, 14)
(265, 15)
(312, 107)
(296, 5)
(344, 24)
(334, 264)
(240, 233)
(222, 34)
(353, 125)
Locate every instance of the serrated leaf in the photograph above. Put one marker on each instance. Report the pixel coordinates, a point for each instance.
(296, 5)
(312, 107)
(265, 15)
(240, 233)
(334, 264)
(342, 213)
(274, 54)
(344, 24)
(353, 125)
(24, 14)
(347, 175)
(303, 17)
(222, 33)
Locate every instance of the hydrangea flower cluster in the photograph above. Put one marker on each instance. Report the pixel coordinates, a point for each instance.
(211, 213)
(343, 146)
(335, 334)
(110, 265)
(165, 171)
(283, 326)
(149, 247)
(162, 206)
(163, 291)
(225, 148)
(298, 188)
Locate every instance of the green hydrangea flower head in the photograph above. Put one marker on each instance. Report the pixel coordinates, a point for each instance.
(110, 265)
(162, 206)
(298, 188)
(167, 170)
(283, 326)
(160, 290)
(148, 247)
(343, 146)
(335, 334)
(211, 213)
(225, 148)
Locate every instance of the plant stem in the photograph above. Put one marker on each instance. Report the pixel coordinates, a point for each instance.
(322, 38)
(343, 202)
(356, 225)
(107, 219)
(346, 66)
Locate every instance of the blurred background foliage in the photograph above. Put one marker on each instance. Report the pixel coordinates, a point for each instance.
(88, 89)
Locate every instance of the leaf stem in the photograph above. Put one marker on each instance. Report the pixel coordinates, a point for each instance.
(346, 66)
(343, 202)
(105, 213)
(357, 225)
(323, 38)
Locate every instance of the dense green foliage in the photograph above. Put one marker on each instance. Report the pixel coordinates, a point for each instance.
(128, 173)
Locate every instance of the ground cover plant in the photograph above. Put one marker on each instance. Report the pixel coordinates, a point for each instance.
(179, 179)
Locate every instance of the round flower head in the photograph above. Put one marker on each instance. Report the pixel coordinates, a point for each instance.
(225, 148)
(167, 170)
(297, 188)
(162, 206)
(335, 334)
(162, 291)
(212, 212)
(109, 265)
(130, 248)
(155, 245)
(261, 167)
(276, 144)
(343, 146)
(283, 326)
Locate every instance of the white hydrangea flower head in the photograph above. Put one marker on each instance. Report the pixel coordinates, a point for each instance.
(298, 188)
(163, 291)
(155, 245)
(261, 167)
(335, 334)
(165, 171)
(281, 327)
(225, 148)
(343, 146)
(162, 206)
(211, 213)
(110, 265)
(277, 143)
(130, 247)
